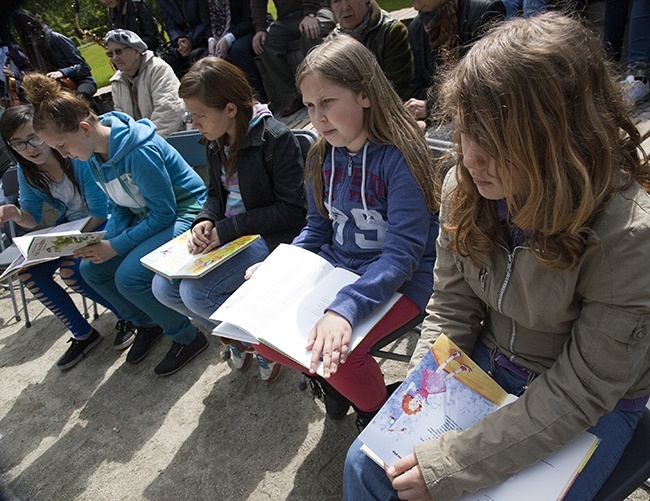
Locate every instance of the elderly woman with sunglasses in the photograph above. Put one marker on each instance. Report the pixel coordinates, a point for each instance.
(144, 86)
(45, 176)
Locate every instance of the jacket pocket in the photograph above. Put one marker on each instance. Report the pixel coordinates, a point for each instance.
(620, 342)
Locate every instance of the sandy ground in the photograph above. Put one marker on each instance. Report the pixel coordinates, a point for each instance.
(109, 430)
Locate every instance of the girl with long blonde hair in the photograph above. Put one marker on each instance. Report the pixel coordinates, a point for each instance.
(541, 275)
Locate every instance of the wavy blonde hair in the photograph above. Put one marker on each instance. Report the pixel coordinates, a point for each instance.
(538, 97)
(350, 64)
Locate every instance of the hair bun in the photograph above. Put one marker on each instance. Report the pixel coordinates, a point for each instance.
(40, 88)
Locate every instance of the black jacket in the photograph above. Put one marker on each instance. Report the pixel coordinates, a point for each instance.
(474, 17)
(138, 18)
(271, 182)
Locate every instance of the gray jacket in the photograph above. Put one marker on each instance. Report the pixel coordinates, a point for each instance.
(584, 331)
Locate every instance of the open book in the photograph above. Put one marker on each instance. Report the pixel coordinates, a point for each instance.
(448, 391)
(283, 300)
(46, 244)
(173, 260)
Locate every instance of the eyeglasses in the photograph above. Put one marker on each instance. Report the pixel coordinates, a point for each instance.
(116, 52)
(22, 145)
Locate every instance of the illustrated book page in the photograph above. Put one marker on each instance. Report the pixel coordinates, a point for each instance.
(173, 260)
(448, 391)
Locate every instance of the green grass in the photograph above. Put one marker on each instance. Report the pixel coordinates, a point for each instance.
(102, 71)
(99, 64)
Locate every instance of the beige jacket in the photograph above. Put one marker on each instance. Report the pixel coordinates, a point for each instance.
(157, 94)
(585, 331)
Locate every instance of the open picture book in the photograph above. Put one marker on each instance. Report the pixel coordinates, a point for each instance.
(280, 304)
(448, 391)
(50, 243)
(173, 260)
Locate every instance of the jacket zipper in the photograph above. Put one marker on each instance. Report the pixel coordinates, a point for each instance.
(502, 291)
(349, 166)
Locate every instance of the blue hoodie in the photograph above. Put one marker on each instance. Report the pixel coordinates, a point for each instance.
(32, 199)
(380, 229)
(147, 180)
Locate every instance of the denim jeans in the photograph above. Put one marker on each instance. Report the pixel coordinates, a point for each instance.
(638, 47)
(363, 479)
(124, 282)
(199, 298)
(39, 280)
(527, 8)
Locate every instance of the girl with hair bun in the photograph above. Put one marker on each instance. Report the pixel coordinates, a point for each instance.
(154, 195)
(45, 176)
(542, 267)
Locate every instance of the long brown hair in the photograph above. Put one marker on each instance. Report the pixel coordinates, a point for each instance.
(349, 64)
(12, 119)
(537, 96)
(215, 82)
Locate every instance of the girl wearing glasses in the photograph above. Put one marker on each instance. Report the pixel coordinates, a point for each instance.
(45, 176)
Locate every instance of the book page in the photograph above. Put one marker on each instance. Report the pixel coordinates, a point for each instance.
(286, 275)
(448, 391)
(174, 260)
(24, 243)
(58, 245)
(288, 332)
(548, 479)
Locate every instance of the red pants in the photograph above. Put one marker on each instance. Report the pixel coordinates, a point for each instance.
(360, 379)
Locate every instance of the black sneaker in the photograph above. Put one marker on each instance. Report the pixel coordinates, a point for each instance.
(180, 354)
(145, 337)
(125, 335)
(364, 418)
(336, 405)
(78, 350)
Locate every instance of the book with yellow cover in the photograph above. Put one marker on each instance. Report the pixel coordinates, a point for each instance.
(173, 260)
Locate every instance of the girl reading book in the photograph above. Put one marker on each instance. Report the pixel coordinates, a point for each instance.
(45, 176)
(541, 277)
(256, 187)
(155, 196)
(371, 210)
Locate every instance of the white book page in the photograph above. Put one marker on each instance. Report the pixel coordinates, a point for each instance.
(69, 228)
(231, 331)
(286, 275)
(25, 241)
(546, 480)
(288, 331)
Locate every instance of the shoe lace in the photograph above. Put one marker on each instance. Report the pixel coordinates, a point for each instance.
(122, 326)
(316, 389)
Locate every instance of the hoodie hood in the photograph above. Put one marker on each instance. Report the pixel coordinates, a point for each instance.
(126, 133)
